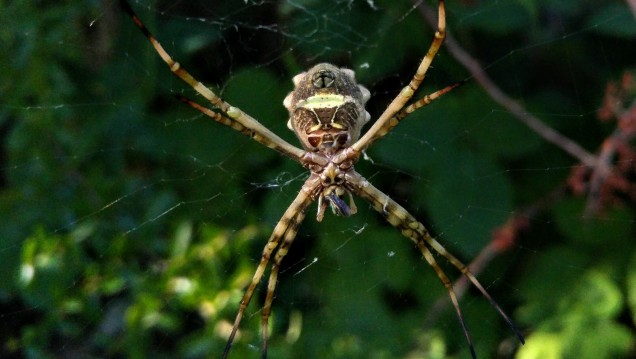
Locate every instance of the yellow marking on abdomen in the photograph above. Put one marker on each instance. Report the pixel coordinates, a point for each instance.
(322, 101)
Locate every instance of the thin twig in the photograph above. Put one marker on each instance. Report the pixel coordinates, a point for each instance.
(625, 131)
(543, 130)
(504, 237)
(632, 5)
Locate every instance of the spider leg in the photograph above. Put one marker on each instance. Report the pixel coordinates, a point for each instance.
(224, 120)
(285, 228)
(449, 286)
(236, 118)
(388, 119)
(398, 217)
(289, 237)
(395, 120)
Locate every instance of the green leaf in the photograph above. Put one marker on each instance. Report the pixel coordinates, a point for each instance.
(615, 20)
(468, 196)
(500, 17)
(614, 226)
(631, 287)
(591, 307)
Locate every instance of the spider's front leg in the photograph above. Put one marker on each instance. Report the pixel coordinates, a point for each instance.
(411, 228)
(397, 109)
(228, 115)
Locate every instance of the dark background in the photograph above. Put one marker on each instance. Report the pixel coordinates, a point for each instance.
(130, 223)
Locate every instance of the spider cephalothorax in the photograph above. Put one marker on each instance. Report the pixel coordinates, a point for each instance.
(326, 108)
(326, 111)
(330, 184)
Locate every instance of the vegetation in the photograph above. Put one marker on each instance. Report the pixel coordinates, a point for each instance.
(131, 224)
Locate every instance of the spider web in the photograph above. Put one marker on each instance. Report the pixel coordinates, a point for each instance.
(131, 223)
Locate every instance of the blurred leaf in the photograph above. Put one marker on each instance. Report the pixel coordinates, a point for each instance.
(261, 95)
(467, 197)
(590, 306)
(504, 17)
(614, 20)
(615, 226)
(631, 287)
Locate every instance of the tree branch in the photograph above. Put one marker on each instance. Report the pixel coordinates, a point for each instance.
(543, 130)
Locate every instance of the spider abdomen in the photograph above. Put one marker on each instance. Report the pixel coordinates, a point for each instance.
(326, 108)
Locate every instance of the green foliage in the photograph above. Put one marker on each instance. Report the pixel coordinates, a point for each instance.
(594, 304)
(131, 223)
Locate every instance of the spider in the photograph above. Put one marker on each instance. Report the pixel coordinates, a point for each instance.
(327, 114)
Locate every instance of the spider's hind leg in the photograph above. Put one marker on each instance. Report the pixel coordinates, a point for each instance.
(285, 229)
(290, 235)
(414, 230)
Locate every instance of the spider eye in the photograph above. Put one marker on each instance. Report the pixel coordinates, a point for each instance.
(323, 79)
